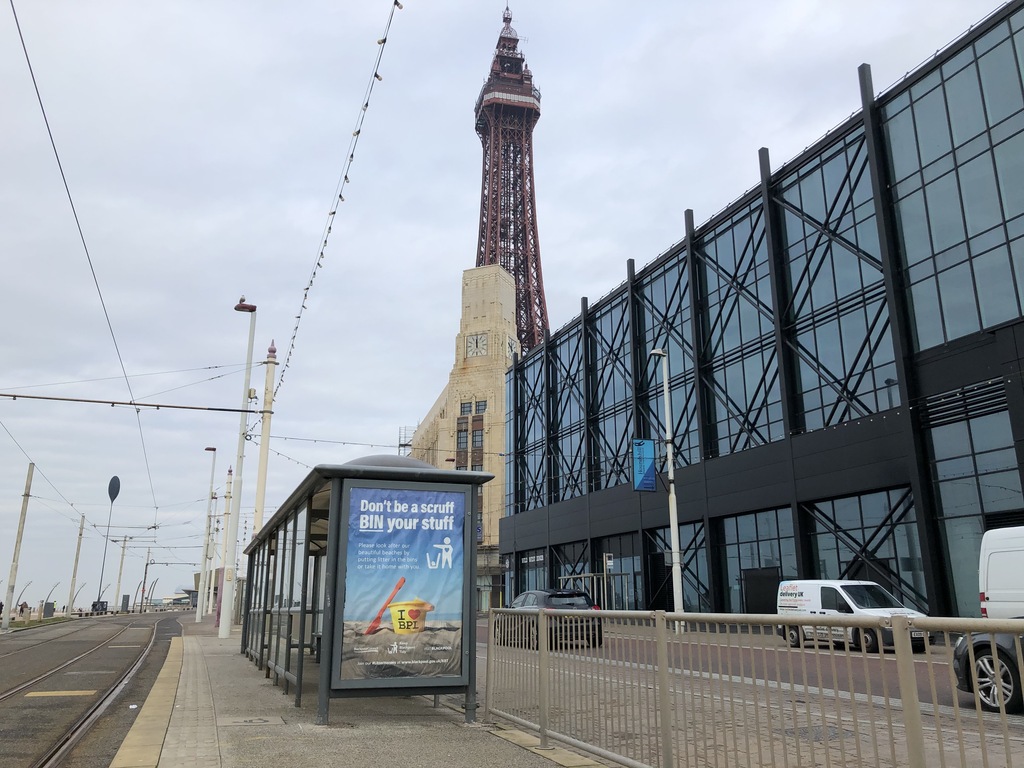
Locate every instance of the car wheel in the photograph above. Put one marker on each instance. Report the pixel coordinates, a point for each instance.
(989, 681)
(869, 641)
(795, 635)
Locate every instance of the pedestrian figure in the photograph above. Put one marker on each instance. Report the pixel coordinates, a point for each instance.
(21, 610)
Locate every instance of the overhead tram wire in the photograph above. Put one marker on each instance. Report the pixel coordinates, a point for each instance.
(339, 196)
(85, 248)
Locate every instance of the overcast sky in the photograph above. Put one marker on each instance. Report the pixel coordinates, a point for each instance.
(203, 142)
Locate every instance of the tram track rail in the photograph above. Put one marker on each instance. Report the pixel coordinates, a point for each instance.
(62, 740)
(55, 755)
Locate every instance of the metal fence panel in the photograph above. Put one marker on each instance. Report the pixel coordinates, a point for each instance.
(654, 689)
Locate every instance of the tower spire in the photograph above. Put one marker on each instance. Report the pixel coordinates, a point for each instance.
(506, 112)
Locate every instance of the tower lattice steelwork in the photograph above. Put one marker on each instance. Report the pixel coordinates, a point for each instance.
(506, 112)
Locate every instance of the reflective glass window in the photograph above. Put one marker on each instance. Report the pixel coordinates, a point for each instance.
(1010, 170)
(883, 528)
(966, 112)
(932, 126)
(980, 195)
(997, 296)
(1000, 83)
(959, 304)
(944, 217)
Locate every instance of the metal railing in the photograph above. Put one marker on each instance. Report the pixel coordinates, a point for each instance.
(647, 688)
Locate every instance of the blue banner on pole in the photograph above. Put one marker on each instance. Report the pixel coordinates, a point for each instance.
(644, 476)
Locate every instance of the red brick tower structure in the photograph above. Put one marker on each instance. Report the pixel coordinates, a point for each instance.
(506, 112)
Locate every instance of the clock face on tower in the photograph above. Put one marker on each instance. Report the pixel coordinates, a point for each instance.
(476, 345)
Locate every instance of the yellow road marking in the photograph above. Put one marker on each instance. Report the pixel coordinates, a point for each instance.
(61, 693)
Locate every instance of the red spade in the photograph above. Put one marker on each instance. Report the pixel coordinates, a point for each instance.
(375, 624)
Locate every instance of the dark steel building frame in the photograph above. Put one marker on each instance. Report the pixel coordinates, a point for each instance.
(807, 410)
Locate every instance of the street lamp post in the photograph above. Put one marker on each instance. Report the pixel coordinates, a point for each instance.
(201, 596)
(74, 599)
(227, 601)
(113, 488)
(72, 594)
(48, 594)
(673, 511)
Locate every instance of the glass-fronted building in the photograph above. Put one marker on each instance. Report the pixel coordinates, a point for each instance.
(844, 347)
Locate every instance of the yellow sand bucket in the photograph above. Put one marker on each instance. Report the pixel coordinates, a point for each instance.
(409, 616)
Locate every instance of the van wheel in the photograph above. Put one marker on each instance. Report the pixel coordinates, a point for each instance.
(869, 641)
(795, 637)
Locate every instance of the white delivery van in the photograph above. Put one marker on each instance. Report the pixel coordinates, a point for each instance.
(1001, 574)
(803, 599)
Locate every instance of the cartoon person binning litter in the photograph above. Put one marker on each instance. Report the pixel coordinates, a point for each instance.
(444, 559)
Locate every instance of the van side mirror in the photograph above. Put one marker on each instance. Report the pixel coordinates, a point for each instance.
(844, 607)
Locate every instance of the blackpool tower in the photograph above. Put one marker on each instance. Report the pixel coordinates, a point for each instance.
(506, 112)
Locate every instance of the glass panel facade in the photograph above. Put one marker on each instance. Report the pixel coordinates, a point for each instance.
(975, 475)
(872, 536)
(531, 449)
(908, 220)
(664, 322)
(568, 419)
(738, 342)
(837, 321)
(752, 545)
(611, 393)
(956, 157)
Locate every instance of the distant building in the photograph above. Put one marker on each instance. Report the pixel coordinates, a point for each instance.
(845, 344)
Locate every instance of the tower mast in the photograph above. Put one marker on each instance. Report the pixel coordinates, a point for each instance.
(506, 112)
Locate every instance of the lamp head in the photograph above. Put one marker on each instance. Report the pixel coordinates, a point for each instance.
(657, 352)
(241, 306)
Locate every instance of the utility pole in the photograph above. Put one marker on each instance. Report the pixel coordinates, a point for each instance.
(224, 550)
(211, 578)
(201, 593)
(74, 571)
(6, 622)
(268, 404)
(120, 570)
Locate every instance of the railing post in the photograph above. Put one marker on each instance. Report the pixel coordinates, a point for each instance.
(544, 657)
(665, 718)
(908, 691)
(489, 674)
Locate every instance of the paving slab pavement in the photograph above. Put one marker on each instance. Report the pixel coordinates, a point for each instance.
(212, 708)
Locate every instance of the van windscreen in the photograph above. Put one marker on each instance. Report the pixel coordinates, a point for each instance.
(870, 596)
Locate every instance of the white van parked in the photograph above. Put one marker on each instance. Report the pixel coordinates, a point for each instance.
(808, 598)
(1000, 573)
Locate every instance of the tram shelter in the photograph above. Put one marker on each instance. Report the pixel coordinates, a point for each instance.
(364, 577)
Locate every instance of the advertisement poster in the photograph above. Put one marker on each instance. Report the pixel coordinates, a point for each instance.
(404, 584)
